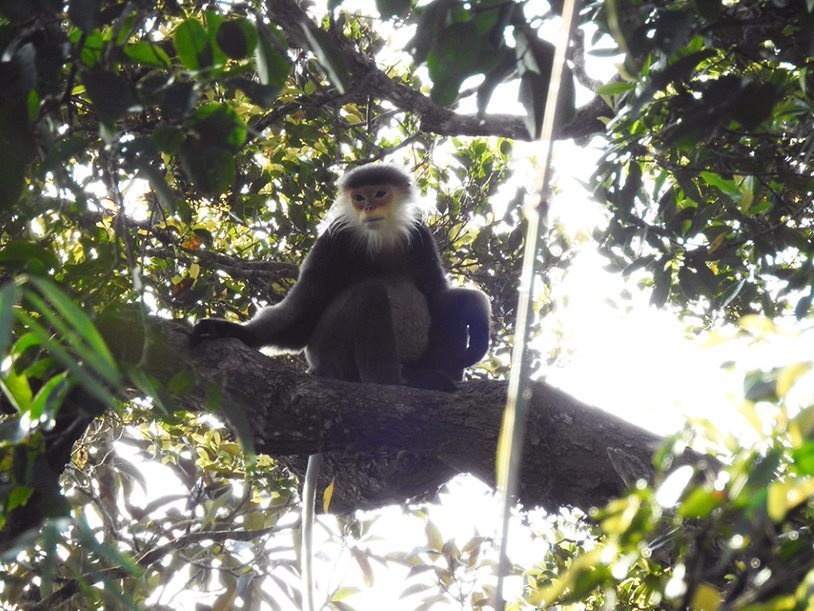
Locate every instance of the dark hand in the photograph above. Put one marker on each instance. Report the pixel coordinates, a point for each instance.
(214, 328)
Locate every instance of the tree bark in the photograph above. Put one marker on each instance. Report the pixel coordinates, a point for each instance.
(382, 444)
(387, 444)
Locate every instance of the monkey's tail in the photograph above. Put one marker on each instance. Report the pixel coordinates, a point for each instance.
(309, 491)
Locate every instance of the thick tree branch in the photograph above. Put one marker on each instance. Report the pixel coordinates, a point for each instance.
(382, 444)
(385, 444)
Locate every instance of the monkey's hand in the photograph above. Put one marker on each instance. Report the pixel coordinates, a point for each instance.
(214, 328)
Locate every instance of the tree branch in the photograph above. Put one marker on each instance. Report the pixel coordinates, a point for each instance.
(369, 80)
(73, 586)
(383, 444)
(386, 444)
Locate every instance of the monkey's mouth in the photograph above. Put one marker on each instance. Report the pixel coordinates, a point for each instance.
(373, 221)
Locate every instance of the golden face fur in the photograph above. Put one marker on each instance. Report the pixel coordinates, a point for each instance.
(380, 213)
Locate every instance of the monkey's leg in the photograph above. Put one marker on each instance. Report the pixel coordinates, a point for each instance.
(355, 338)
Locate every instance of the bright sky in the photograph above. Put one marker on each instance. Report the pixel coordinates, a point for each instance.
(622, 356)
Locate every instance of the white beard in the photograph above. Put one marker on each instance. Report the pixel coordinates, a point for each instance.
(392, 232)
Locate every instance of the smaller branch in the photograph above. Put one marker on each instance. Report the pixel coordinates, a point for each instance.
(72, 587)
(369, 79)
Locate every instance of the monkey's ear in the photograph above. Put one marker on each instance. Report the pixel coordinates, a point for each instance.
(214, 328)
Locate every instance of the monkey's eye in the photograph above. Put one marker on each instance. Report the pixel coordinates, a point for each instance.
(358, 197)
(381, 193)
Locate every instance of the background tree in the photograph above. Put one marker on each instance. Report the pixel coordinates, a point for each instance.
(173, 160)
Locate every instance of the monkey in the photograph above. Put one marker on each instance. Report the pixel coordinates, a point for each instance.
(371, 304)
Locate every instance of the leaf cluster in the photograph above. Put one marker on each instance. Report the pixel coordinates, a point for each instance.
(707, 173)
(705, 537)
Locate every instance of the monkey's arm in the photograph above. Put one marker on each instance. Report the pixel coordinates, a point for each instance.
(289, 323)
(430, 277)
(461, 318)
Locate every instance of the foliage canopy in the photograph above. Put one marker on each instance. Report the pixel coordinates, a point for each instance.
(174, 158)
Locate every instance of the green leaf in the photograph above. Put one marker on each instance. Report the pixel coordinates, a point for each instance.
(69, 335)
(585, 581)
(91, 51)
(454, 56)
(18, 497)
(162, 190)
(727, 187)
(66, 359)
(329, 56)
(83, 13)
(444, 91)
(237, 37)
(29, 257)
(804, 458)
(803, 307)
(235, 414)
(168, 138)
(686, 181)
(49, 398)
(212, 169)
(662, 282)
(18, 390)
(192, 44)
(700, 503)
(393, 8)
(207, 155)
(786, 495)
(148, 54)
(179, 99)
(434, 539)
(679, 70)
(82, 324)
(503, 68)
(533, 94)
(151, 387)
(213, 21)
(12, 178)
(181, 382)
(218, 125)
(9, 298)
(110, 93)
(262, 95)
(343, 593)
(273, 66)
(64, 150)
(755, 104)
(433, 17)
(615, 88)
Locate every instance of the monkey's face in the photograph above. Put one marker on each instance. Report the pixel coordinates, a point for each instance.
(374, 204)
(379, 213)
